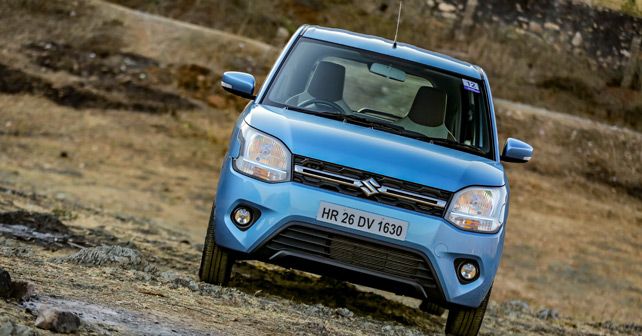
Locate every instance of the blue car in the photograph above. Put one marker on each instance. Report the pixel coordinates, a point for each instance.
(370, 161)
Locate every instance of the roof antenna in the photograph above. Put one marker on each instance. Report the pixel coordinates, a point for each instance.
(394, 44)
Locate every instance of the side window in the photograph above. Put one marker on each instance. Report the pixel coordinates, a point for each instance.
(474, 120)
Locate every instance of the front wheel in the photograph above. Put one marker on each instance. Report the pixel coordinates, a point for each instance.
(216, 262)
(464, 321)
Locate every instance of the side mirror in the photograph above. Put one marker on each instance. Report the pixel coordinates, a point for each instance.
(239, 83)
(516, 151)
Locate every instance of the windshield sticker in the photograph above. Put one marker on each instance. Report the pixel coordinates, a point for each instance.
(470, 86)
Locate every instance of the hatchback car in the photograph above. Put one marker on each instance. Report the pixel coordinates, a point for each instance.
(370, 161)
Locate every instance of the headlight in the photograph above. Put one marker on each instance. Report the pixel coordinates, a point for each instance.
(262, 156)
(478, 209)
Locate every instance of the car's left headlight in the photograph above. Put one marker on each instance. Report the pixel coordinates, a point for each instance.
(479, 209)
(262, 156)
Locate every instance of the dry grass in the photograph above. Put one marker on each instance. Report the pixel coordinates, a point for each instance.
(160, 167)
(576, 216)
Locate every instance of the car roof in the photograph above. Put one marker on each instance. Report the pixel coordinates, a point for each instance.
(384, 46)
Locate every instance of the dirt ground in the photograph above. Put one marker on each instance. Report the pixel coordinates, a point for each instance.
(122, 142)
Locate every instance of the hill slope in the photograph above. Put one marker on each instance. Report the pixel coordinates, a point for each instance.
(111, 119)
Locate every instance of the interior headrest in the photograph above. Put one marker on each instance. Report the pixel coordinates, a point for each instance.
(429, 107)
(327, 81)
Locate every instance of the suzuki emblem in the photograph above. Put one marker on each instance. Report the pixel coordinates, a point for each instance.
(369, 186)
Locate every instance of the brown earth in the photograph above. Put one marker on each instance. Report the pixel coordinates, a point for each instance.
(84, 136)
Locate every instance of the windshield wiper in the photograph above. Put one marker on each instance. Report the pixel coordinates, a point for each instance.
(396, 129)
(367, 122)
(392, 128)
(363, 121)
(326, 114)
(351, 118)
(459, 145)
(442, 142)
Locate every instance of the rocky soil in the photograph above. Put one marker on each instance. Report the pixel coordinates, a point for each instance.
(132, 277)
(112, 130)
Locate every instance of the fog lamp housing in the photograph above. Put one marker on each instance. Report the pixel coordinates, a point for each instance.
(244, 216)
(467, 270)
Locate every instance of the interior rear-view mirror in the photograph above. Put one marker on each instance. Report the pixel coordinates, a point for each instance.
(388, 71)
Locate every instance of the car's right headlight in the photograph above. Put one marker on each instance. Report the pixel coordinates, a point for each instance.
(479, 209)
(262, 156)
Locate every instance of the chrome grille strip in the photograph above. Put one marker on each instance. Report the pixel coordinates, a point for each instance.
(320, 174)
(412, 196)
(389, 191)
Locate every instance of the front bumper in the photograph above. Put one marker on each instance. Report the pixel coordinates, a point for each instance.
(283, 204)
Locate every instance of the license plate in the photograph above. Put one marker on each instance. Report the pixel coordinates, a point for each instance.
(363, 221)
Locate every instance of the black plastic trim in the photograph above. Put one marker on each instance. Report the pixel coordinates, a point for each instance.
(327, 266)
(339, 270)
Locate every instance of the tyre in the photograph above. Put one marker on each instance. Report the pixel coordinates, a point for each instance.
(465, 321)
(431, 308)
(216, 263)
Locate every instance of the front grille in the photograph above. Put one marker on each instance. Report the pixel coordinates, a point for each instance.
(352, 251)
(379, 188)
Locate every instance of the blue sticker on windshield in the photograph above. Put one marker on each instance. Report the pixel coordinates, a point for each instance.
(470, 86)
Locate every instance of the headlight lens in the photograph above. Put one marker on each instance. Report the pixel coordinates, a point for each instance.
(478, 209)
(262, 156)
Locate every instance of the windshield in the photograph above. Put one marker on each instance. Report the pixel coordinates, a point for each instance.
(389, 94)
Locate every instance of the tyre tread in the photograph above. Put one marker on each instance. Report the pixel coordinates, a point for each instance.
(466, 321)
(216, 263)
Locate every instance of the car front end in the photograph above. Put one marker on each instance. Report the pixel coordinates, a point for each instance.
(373, 164)
(287, 228)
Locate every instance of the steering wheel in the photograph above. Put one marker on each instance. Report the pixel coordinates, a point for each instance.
(326, 103)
